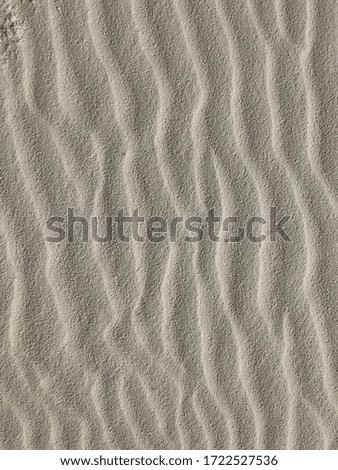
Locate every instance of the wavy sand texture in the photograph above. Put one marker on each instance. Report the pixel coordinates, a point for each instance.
(174, 107)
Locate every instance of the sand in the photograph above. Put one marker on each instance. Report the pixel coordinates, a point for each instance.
(173, 107)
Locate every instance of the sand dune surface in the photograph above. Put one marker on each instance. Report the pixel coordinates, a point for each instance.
(173, 108)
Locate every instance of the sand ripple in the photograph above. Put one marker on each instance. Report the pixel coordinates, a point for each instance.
(172, 107)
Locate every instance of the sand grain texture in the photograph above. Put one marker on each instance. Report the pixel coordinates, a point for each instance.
(172, 107)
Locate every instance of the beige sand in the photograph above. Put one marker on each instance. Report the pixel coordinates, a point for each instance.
(172, 107)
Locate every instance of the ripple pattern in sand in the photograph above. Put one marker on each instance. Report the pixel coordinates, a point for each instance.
(172, 107)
